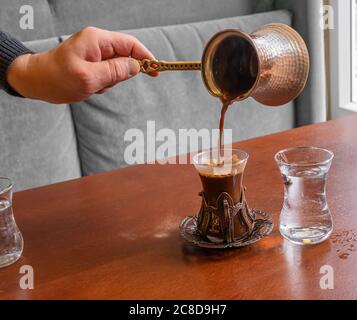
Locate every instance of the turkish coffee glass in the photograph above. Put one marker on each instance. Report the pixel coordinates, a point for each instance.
(221, 215)
(305, 217)
(11, 241)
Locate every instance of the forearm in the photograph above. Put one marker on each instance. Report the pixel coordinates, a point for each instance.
(10, 49)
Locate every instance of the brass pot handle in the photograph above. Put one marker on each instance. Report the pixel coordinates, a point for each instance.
(147, 66)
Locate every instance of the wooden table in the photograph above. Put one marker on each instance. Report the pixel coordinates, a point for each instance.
(115, 235)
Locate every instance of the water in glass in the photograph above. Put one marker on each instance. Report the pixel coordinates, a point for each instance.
(11, 242)
(305, 217)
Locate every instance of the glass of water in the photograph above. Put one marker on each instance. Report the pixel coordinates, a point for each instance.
(305, 217)
(11, 241)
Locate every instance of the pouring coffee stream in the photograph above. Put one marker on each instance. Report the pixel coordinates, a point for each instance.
(225, 105)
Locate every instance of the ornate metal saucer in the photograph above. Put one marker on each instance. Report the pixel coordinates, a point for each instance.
(262, 227)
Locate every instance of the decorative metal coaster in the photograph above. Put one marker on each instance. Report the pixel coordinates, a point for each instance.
(262, 227)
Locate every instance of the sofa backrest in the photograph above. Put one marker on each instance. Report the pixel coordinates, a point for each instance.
(53, 18)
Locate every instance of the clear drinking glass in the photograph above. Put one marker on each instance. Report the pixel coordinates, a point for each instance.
(305, 217)
(11, 241)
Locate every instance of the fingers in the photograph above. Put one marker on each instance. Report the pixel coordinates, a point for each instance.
(110, 72)
(109, 57)
(121, 44)
(127, 45)
(134, 48)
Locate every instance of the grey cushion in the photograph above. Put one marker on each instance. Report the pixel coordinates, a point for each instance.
(58, 17)
(72, 15)
(43, 20)
(174, 99)
(37, 139)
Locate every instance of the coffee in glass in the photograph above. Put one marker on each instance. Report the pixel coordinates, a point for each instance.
(224, 215)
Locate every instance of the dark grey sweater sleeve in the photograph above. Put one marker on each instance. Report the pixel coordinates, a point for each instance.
(10, 49)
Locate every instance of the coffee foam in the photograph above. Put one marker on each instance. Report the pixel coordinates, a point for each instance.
(222, 167)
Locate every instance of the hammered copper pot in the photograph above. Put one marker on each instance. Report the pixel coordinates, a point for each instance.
(270, 65)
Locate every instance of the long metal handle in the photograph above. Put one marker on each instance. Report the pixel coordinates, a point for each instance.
(147, 66)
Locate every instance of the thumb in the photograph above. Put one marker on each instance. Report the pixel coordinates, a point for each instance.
(112, 71)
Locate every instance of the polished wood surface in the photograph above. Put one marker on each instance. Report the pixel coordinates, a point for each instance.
(115, 235)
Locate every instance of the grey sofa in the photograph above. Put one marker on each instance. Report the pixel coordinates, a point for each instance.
(42, 143)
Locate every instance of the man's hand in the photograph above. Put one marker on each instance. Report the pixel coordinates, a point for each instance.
(91, 61)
